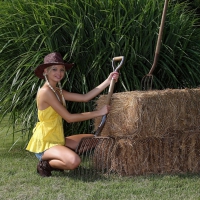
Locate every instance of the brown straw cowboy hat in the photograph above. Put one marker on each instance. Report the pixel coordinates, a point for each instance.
(54, 58)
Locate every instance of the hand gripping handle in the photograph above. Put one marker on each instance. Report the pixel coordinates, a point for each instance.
(110, 91)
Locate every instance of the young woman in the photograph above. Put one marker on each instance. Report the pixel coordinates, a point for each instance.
(54, 151)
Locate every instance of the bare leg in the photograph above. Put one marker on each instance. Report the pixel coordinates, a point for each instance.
(73, 141)
(61, 157)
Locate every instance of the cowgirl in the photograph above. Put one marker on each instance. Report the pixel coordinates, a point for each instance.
(54, 151)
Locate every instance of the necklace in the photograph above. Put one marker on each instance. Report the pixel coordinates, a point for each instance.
(63, 101)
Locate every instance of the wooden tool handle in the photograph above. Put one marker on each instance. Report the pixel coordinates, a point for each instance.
(119, 58)
(110, 91)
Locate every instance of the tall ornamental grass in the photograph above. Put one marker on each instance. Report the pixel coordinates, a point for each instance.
(90, 33)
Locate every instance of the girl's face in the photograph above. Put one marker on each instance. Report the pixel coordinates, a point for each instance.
(55, 72)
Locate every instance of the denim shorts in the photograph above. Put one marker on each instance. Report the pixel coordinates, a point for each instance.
(39, 155)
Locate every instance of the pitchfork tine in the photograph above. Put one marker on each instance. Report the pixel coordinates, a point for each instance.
(88, 144)
(147, 80)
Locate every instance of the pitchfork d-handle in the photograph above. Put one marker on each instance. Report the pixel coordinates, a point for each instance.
(110, 91)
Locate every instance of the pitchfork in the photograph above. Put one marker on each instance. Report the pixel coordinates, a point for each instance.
(110, 92)
(147, 80)
(88, 142)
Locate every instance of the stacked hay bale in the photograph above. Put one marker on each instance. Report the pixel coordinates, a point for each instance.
(155, 131)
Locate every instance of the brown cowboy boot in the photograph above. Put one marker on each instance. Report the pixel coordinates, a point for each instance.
(44, 169)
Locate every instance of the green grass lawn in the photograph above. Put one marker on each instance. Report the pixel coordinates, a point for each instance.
(19, 180)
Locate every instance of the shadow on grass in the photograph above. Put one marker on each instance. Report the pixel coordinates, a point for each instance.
(87, 174)
(182, 175)
(91, 175)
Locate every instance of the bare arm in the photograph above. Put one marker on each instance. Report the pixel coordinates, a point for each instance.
(50, 99)
(91, 94)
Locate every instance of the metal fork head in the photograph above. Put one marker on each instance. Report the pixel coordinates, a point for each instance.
(95, 154)
(147, 82)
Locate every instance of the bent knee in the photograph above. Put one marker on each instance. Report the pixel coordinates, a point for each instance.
(74, 162)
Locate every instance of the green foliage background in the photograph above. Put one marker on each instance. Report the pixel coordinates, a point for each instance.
(90, 33)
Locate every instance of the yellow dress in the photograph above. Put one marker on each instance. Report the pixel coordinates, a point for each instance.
(48, 132)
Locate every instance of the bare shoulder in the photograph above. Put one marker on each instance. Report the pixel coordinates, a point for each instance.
(43, 96)
(44, 92)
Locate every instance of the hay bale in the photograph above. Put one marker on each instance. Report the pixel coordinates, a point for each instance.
(133, 156)
(101, 158)
(151, 113)
(177, 152)
(121, 159)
